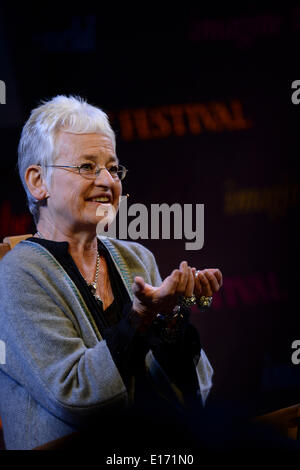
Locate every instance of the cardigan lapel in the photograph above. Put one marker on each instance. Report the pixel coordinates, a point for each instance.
(120, 265)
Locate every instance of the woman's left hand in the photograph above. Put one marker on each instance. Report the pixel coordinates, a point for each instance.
(207, 282)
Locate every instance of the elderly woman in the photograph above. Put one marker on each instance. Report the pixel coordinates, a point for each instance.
(87, 320)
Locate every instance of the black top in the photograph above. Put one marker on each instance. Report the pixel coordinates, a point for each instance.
(127, 345)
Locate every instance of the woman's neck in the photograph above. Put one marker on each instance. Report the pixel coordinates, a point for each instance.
(81, 244)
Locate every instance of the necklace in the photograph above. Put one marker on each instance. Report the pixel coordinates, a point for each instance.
(91, 285)
(39, 234)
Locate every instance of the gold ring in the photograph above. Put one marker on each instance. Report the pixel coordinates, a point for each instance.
(204, 302)
(189, 301)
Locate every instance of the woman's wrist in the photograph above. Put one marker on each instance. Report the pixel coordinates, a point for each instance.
(140, 319)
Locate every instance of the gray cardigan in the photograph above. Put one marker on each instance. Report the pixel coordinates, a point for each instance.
(59, 371)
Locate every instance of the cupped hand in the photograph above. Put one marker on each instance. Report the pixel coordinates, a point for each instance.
(207, 281)
(149, 300)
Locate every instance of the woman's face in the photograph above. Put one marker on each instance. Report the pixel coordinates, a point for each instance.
(71, 204)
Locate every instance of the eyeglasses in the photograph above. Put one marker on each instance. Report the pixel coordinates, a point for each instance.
(92, 171)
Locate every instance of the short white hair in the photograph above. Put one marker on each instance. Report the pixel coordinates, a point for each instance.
(38, 138)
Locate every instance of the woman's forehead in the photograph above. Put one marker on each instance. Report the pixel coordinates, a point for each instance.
(79, 145)
(95, 158)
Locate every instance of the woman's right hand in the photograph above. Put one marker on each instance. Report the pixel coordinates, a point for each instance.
(149, 301)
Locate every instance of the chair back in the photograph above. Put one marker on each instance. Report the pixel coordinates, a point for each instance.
(10, 242)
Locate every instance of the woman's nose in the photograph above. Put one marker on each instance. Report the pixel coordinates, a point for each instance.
(104, 178)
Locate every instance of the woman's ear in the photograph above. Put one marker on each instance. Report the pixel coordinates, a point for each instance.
(36, 183)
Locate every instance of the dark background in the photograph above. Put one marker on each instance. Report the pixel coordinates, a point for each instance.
(243, 169)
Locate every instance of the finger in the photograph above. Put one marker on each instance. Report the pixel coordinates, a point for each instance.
(205, 285)
(138, 285)
(169, 285)
(190, 284)
(184, 273)
(213, 282)
(198, 286)
(217, 273)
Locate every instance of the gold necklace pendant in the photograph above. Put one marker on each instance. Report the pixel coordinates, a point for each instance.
(93, 287)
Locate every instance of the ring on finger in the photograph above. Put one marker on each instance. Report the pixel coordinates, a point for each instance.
(188, 301)
(204, 301)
